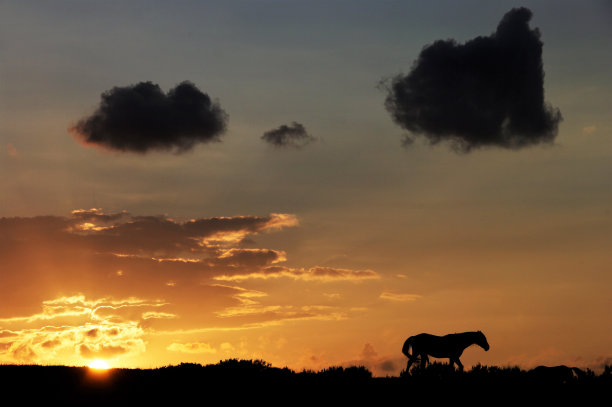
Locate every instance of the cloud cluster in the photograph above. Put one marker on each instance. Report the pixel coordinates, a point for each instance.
(293, 135)
(157, 236)
(260, 315)
(102, 254)
(141, 117)
(100, 328)
(117, 259)
(486, 92)
(255, 314)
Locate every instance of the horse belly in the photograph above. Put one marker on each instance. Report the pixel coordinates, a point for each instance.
(437, 353)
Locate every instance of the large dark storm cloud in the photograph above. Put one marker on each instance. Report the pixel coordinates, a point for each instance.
(293, 135)
(486, 92)
(142, 117)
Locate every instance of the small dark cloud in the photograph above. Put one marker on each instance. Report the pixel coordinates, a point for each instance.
(488, 91)
(140, 117)
(293, 135)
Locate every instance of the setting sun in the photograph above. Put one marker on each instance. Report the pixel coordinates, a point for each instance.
(99, 364)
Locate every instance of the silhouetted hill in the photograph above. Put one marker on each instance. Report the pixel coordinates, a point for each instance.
(254, 381)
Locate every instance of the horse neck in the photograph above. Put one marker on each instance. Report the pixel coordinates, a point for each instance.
(467, 339)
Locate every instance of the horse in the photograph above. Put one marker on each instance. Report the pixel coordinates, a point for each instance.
(448, 346)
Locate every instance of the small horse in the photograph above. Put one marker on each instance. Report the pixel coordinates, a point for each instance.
(447, 346)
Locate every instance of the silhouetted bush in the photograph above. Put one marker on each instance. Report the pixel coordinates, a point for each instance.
(189, 366)
(257, 365)
(352, 372)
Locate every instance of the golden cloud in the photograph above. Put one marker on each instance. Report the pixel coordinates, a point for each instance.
(274, 314)
(142, 276)
(318, 273)
(158, 315)
(84, 331)
(400, 297)
(193, 347)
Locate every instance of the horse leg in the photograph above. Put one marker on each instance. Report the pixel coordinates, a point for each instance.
(410, 362)
(411, 359)
(457, 361)
(424, 360)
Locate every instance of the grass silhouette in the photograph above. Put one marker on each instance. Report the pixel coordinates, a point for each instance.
(248, 381)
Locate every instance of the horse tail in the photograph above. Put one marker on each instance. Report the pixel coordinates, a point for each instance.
(406, 347)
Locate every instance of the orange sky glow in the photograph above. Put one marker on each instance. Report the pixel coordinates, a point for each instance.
(146, 291)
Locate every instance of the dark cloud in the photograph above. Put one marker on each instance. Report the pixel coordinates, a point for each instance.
(250, 257)
(293, 135)
(96, 215)
(163, 236)
(486, 92)
(141, 117)
(157, 236)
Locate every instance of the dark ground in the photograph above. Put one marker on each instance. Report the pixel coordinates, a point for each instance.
(239, 382)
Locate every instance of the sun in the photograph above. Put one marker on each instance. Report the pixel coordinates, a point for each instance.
(99, 364)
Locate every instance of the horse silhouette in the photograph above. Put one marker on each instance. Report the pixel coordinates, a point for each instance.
(448, 346)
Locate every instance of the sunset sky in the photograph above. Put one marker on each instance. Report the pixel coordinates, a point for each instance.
(304, 182)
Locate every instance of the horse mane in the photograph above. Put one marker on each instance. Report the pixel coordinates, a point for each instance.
(469, 333)
(477, 336)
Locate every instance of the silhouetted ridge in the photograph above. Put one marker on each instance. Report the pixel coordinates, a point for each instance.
(246, 381)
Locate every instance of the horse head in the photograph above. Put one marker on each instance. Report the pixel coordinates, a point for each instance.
(482, 341)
